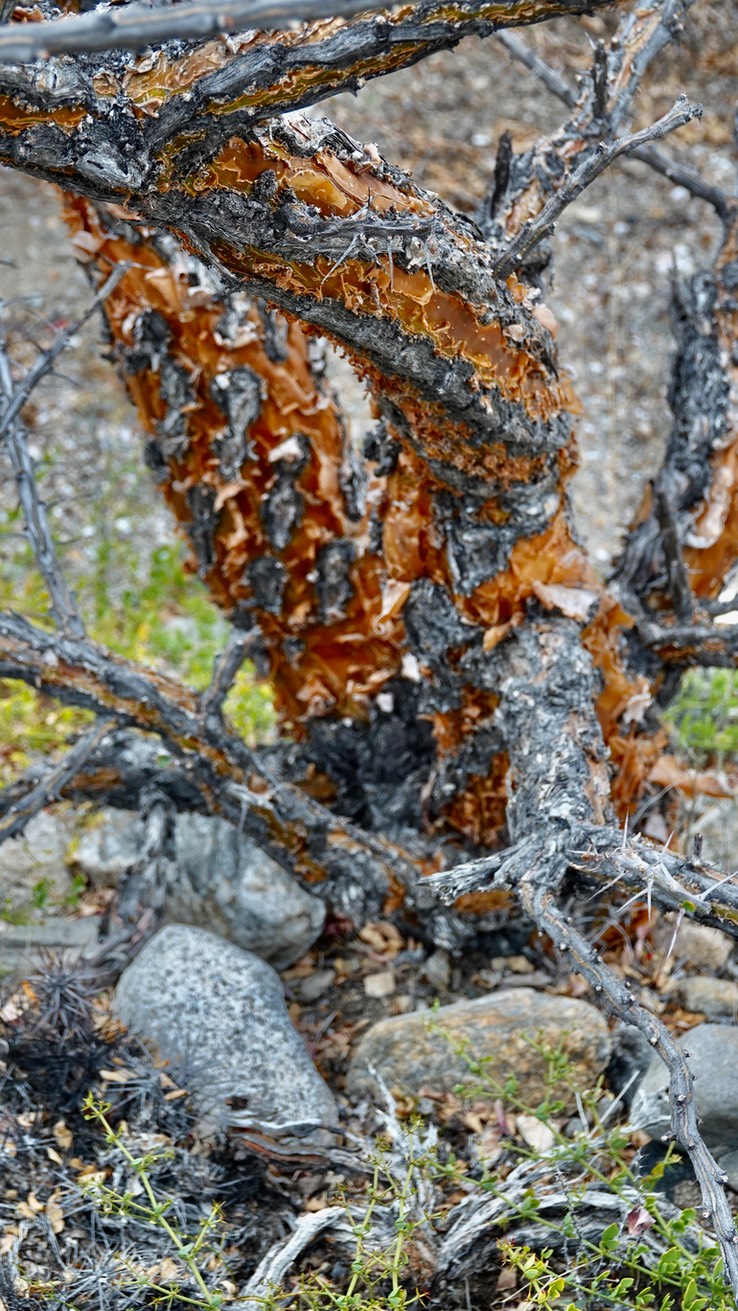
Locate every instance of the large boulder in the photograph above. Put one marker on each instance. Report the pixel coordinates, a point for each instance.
(218, 878)
(506, 1029)
(218, 1016)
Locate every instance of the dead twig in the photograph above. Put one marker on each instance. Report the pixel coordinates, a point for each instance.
(47, 359)
(590, 168)
(680, 174)
(63, 606)
(53, 781)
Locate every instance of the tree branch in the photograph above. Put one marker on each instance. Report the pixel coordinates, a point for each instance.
(353, 868)
(136, 26)
(62, 601)
(19, 804)
(591, 167)
(681, 175)
(45, 363)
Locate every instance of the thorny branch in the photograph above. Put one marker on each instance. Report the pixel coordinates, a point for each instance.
(535, 872)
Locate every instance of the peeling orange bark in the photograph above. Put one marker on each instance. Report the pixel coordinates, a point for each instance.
(321, 664)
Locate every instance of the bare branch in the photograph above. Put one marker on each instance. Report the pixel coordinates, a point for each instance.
(62, 602)
(681, 592)
(591, 167)
(52, 783)
(536, 869)
(644, 38)
(45, 363)
(354, 867)
(608, 988)
(600, 857)
(714, 646)
(138, 25)
(680, 174)
(225, 670)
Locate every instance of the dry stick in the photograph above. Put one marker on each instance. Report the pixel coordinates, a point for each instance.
(62, 339)
(137, 25)
(680, 174)
(668, 28)
(225, 669)
(63, 607)
(583, 176)
(582, 957)
(534, 880)
(713, 646)
(49, 787)
(80, 672)
(599, 853)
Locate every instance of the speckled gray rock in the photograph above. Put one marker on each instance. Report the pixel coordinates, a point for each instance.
(416, 1051)
(217, 878)
(218, 1015)
(713, 1060)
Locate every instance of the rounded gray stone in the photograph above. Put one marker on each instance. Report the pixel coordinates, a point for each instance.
(420, 1049)
(713, 1060)
(223, 880)
(217, 877)
(218, 1016)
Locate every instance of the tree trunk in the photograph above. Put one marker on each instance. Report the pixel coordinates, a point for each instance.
(458, 685)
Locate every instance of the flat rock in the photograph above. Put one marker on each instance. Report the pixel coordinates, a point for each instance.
(713, 1060)
(22, 946)
(417, 1050)
(714, 998)
(218, 878)
(218, 1015)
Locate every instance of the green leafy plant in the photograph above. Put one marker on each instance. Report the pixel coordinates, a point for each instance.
(704, 715)
(380, 1277)
(189, 1251)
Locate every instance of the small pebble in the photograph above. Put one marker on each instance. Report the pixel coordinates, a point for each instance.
(380, 985)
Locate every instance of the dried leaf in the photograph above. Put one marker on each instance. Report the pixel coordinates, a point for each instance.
(668, 772)
(63, 1135)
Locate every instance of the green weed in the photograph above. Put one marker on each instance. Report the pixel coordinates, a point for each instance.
(704, 715)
